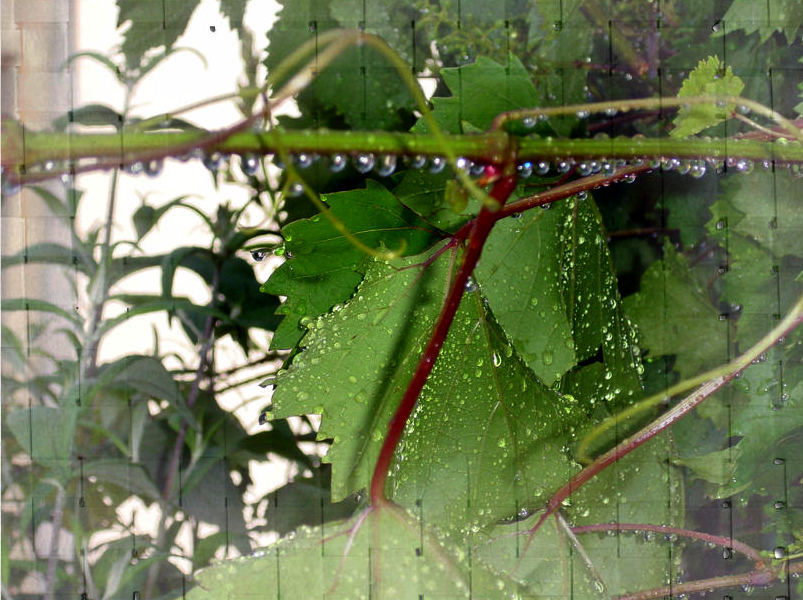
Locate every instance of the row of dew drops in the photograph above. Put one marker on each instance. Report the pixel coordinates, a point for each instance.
(386, 164)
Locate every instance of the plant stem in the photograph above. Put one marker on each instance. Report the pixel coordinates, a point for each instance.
(476, 240)
(757, 577)
(719, 378)
(106, 151)
(725, 542)
(53, 555)
(100, 293)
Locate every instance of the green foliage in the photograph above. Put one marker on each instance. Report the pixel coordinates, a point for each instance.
(324, 266)
(709, 78)
(786, 16)
(571, 315)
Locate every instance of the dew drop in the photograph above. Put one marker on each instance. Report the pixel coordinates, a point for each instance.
(542, 168)
(417, 161)
(49, 165)
(464, 164)
(583, 114)
(629, 178)
(611, 111)
(497, 359)
(697, 169)
(436, 164)
(386, 165)
(470, 286)
(744, 166)
(525, 169)
(364, 162)
(134, 168)
(584, 169)
(564, 166)
(153, 167)
(249, 164)
(212, 161)
(337, 162)
(303, 160)
(528, 122)
(477, 169)
(295, 190)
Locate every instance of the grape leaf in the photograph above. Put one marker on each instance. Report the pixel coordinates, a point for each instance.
(377, 97)
(476, 447)
(154, 23)
(783, 15)
(324, 267)
(383, 553)
(766, 208)
(518, 273)
(549, 280)
(670, 304)
(639, 489)
(234, 11)
(709, 78)
(494, 88)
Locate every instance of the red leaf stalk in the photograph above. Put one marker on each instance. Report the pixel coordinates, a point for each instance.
(500, 192)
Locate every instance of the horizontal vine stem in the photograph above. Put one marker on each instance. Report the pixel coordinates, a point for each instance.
(24, 152)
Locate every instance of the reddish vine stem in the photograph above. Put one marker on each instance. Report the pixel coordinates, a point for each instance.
(719, 540)
(480, 230)
(757, 577)
(685, 406)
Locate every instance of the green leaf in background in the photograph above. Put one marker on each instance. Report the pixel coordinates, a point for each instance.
(709, 78)
(324, 267)
(377, 97)
(234, 11)
(670, 304)
(750, 16)
(486, 437)
(382, 554)
(767, 206)
(46, 434)
(494, 88)
(153, 23)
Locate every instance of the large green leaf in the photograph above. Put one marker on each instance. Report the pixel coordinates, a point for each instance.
(519, 273)
(486, 437)
(382, 554)
(324, 266)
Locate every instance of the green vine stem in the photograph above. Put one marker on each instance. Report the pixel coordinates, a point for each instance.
(23, 150)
